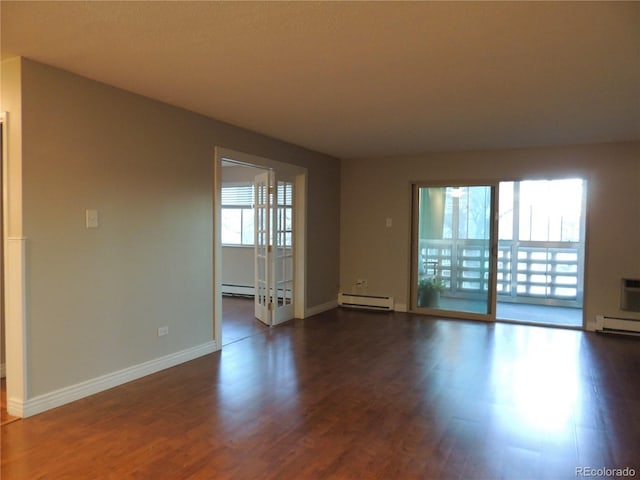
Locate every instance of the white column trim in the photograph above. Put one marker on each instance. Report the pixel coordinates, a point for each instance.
(15, 319)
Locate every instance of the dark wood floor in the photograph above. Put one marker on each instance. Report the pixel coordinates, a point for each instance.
(4, 416)
(353, 395)
(238, 320)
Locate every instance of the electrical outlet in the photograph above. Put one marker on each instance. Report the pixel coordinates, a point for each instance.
(163, 331)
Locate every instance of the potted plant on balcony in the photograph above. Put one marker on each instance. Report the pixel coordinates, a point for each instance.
(429, 290)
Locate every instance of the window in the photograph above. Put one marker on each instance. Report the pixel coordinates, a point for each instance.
(284, 216)
(542, 210)
(237, 214)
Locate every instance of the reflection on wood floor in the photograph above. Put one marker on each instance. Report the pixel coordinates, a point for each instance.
(350, 394)
(238, 320)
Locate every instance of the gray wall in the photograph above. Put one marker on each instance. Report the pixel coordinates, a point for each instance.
(96, 297)
(374, 189)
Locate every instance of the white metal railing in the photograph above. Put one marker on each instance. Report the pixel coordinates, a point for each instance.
(532, 271)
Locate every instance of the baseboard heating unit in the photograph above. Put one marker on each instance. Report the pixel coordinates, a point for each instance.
(230, 289)
(623, 326)
(366, 302)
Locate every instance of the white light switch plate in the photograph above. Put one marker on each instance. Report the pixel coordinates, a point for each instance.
(92, 218)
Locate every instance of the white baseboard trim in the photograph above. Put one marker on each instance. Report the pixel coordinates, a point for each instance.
(323, 307)
(3, 370)
(400, 307)
(80, 390)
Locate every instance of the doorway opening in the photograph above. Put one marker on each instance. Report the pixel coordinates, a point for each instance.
(262, 212)
(238, 251)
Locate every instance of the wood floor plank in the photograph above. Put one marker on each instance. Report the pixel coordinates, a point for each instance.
(349, 394)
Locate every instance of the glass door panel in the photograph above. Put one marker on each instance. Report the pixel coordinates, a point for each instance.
(283, 281)
(262, 241)
(453, 249)
(274, 248)
(541, 246)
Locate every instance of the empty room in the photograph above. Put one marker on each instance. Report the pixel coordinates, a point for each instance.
(316, 240)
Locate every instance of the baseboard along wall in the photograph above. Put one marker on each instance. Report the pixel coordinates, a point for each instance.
(84, 389)
(323, 307)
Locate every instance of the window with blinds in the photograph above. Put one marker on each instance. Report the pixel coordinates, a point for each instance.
(237, 214)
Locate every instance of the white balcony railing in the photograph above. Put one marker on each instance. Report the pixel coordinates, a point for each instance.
(528, 272)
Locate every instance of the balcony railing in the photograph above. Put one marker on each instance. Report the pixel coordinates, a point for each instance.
(527, 272)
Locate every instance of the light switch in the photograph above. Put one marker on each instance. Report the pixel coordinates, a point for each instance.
(389, 222)
(92, 218)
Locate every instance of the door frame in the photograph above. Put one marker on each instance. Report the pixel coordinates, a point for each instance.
(14, 268)
(300, 228)
(490, 316)
(3, 349)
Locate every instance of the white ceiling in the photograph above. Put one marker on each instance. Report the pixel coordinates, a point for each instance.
(361, 79)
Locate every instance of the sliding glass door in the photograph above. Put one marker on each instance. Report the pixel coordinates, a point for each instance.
(541, 247)
(453, 240)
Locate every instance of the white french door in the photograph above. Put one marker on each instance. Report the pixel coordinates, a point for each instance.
(262, 242)
(274, 248)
